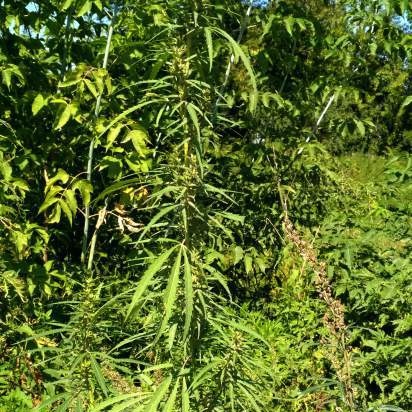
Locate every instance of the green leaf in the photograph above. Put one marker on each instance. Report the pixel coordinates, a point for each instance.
(169, 296)
(139, 139)
(250, 398)
(98, 4)
(47, 203)
(209, 43)
(5, 170)
(71, 200)
(170, 404)
(112, 135)
(66, 210)
(146, 278)
(38, 104)
(405, 103)
(6, 75)
(85, 8)
(66, 4)
(64, 117)
(237, 51)
(193, 115)
(188, 294)
(158, 395)
(55, 215)
(123, 115)
(156, 218)
(361, 127)
(60, 176)
(185, 397)
(85, 188)
(97, 372)
(137, 397)
(203, 374)
(238, 254)
(247, 259)
(232, 216)
(91, 87)
(289, 23)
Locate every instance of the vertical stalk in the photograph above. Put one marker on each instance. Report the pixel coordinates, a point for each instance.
(66, 45)
(92, 142)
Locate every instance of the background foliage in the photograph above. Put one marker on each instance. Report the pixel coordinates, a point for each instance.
(205, 205)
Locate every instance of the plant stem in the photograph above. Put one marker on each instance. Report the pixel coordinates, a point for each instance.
(92, 142)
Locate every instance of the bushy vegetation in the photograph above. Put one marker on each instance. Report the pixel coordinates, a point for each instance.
(205, 206)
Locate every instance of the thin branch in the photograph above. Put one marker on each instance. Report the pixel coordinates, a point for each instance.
(92, 142)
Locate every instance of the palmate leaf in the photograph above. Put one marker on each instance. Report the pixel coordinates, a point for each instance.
(144, 282)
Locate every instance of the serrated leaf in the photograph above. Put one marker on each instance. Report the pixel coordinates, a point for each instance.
(237, 51)
(47, 203)
(66, 210)
(185, 397)
(91, 87)
(146, 278)
(247, 259)
(170, 404)
(250, 397)
(169, 296)
(117, 399)
(5, 170)
(232, 216)
(85, 188)
(209, 44)
(156, 218)
(405, 103)
(158, 395)
(97, 372)
(289, 23)
(85, 8)
(64, 117)
(66, 4)
(38, 104)
(237, 255)
(193, 115)
(139, 139)
(6, 76)
(188, 294)
(55, 215)
(112, 135)
(71, 200)
(361, 127)
(60, 176)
